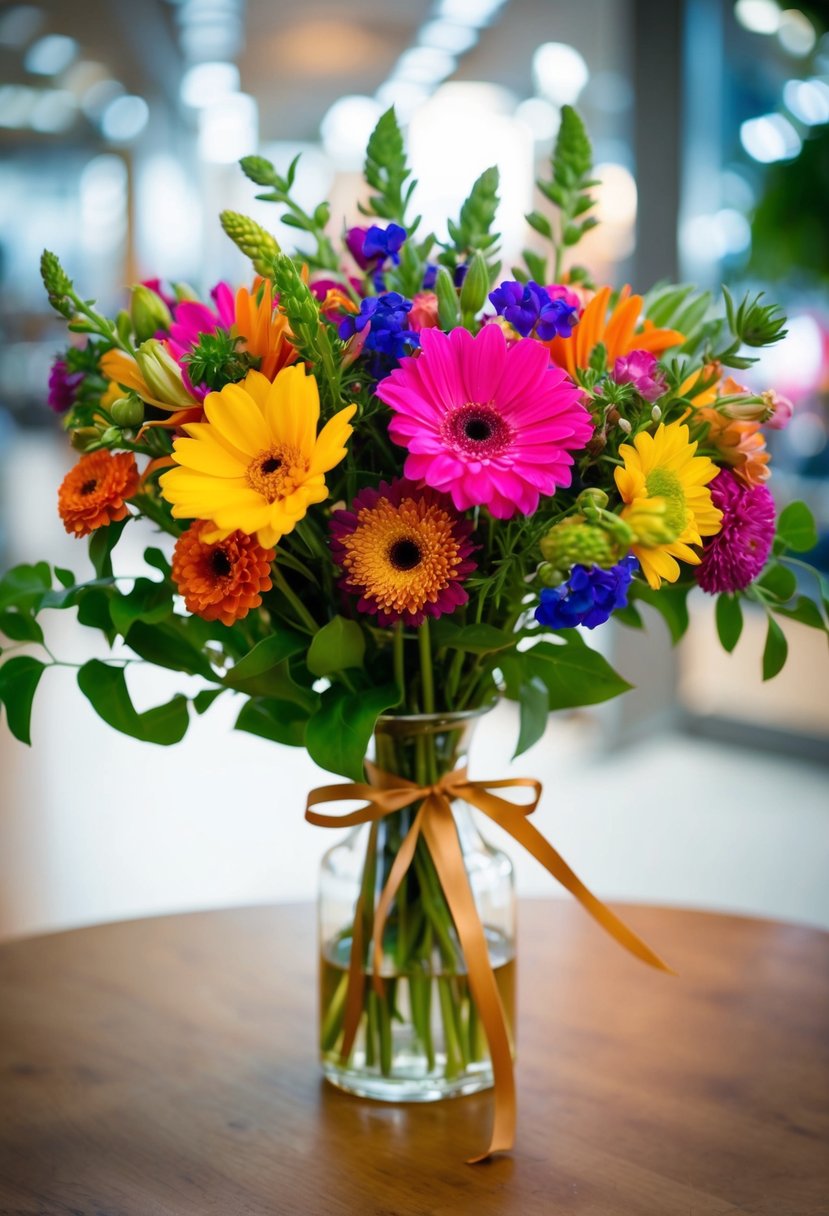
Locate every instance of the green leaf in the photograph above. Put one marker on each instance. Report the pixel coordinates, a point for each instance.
(204, 699)
(65, 577)
(533, 698)
(101, 545)
(20, 627)
(19, 678)
(93, 610)
(476, 639)
(473, 230)
(449, 309)
(337, 735)
(105, 687)
(155, 558)
(780, 581)
(265, 655)
(775, 650)
(386, 170)
(70, 597)
(167, 645)
(574, 675)
(804, 610)
(279, 721)
(729, 616)
(148, 601)
(23, 586)
(339, 645)
(670, 603)
(796, 527)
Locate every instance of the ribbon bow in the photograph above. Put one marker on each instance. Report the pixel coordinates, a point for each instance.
(387, 794)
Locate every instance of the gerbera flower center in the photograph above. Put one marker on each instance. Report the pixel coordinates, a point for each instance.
(276, 472)
(89, 487)
(662, 483)
(405, 554)
(477, 429)
(220, 563)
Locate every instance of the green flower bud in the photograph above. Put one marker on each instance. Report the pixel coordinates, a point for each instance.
(162, 374)
(128, 411)
(549, 576)
(83, 436)
(475, 285)
(576, 541)
(57, 283)
(123, 325)
(149, 312)
(252, 239)
(183, 291)
(592, 497)
(449, 313)
(110, 436)
(260, 171)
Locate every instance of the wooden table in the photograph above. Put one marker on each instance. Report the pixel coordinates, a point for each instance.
(167, 1067)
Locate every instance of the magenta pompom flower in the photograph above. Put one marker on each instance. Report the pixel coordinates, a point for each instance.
(491, 423)
(404, 551)
(735, 556)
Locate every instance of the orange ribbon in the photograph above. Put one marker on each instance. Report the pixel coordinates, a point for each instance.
(388, 794)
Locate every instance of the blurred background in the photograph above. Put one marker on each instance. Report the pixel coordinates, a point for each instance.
(120, 128)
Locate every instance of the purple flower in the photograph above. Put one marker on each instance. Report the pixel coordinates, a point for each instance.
(588, 597)
(531, 311)
(639, 369)
(736, 555)
(387, 318)
(63, 385)
(370, 247)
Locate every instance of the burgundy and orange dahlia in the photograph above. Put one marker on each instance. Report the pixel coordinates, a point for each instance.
(221, 581)
(95, 492)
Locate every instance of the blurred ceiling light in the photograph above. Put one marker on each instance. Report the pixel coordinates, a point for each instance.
(327, 46)
(211, 30)
(16, 102)
(206, 83)
(19, 24)
(560, 72)
(83, 75)
(769, 138)
(758, 16)
(228, 129)
(476, 13)
(54, 111)
(100, 95)
(796, 33)
(808, 100)
(124, 118)
(103, 204)
(50, 55)
(616, 195)
(448, 36)
(404, 95)
(541, 117)
(424, 65)
(346, 127)
(795, 364)
(710, 238)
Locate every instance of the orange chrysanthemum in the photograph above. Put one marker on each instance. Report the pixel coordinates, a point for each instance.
(224, 580)
(264, 329)
(739, 443)
(619, 332)
(94, 493)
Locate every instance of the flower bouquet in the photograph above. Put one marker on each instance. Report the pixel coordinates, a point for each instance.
(391, 483)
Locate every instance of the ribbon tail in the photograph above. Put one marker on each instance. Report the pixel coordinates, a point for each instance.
(442, 837)
(399, 867)
(529, 836)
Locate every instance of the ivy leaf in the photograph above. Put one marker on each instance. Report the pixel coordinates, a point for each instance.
(339, 645)
(105, 687)
(775, 651)
(337, 735)
(729, 617)
(279, 721)
(796, 527)
(19, 678)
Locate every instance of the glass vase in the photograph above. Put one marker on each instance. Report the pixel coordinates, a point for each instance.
(423, 1039)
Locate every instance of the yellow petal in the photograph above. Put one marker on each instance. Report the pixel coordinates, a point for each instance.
(238, 418)
(207, 455)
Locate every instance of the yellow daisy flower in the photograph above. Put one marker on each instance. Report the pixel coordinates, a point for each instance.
(664, 484)
(257, 464)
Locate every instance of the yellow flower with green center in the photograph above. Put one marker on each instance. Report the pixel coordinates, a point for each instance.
(257, 464)
(668, 505)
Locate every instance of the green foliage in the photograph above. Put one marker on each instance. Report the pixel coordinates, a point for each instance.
(101, 544)
(279, 721)
(789, 233)
(750, 324)
(57, 283)
(388, 174)
(775, 650)
(105, 687)
(574, 674)
(338, 646)
(729, 618)
(449, 309)
(796, 528)
(670, 602)
(337, 734)
(472, 232)
(530, 691)
(279, 190)
(19, 678)
(217, 360)
(568, 189)
(148, 601)
(471, 639)
(313, 339)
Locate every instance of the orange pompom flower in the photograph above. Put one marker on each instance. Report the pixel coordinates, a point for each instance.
(224, 580)
(94, 492)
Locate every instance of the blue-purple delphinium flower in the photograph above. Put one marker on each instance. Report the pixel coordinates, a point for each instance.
(372, 246)
(530, 310)
(387, 317)
(430, 275)
(63, 385)
(589, 597)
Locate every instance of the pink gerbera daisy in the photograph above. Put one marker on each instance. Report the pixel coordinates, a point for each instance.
(191, 319)
(404, 551)
(735, 556)
(491, 422)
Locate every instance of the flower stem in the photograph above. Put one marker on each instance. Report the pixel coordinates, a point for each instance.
(293, 599)
(426, 673)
